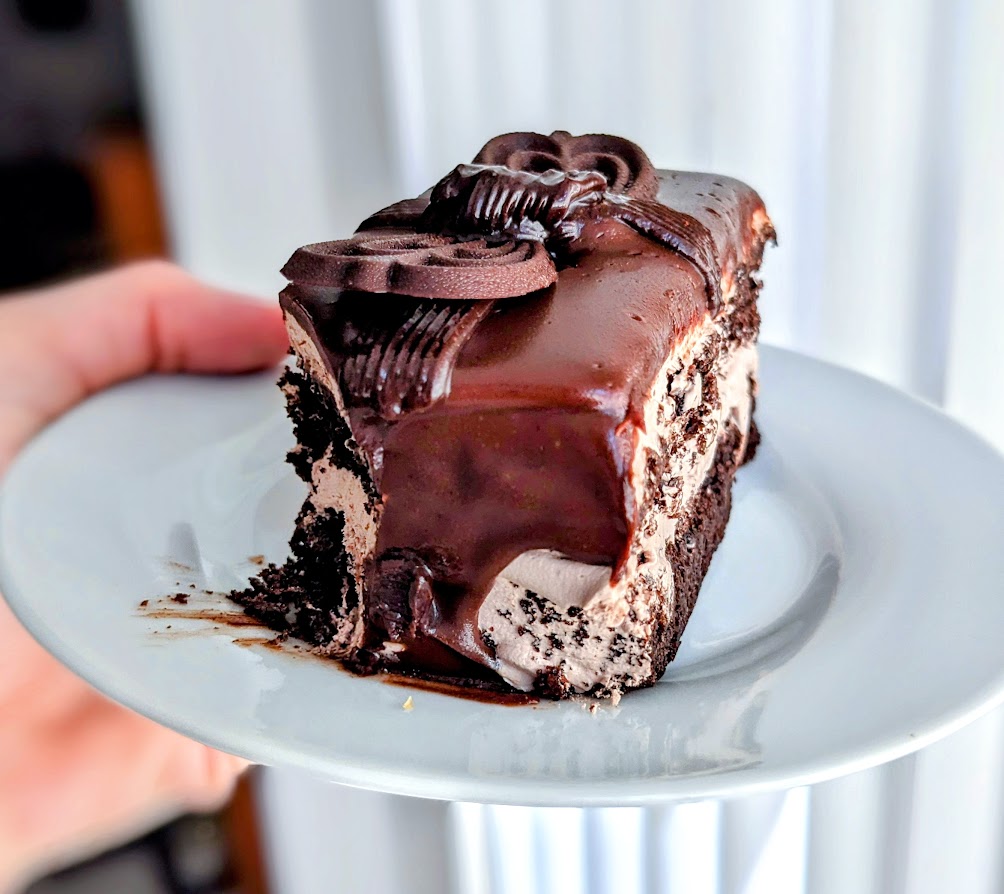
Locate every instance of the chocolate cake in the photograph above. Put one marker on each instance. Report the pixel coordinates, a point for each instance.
(520, 403)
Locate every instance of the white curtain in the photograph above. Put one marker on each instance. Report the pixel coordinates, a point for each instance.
(875, 133)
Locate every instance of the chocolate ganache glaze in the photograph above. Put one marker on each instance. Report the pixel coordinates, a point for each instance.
(493, 342)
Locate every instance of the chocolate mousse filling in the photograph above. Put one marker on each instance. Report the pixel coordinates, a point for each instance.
(521, 401)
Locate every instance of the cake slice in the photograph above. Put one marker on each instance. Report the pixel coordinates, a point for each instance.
(520, 403)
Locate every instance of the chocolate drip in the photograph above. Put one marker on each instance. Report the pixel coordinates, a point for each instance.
(401, 595)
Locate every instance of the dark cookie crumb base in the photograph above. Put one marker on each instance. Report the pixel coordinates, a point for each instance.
(318, 426)
(311, 593)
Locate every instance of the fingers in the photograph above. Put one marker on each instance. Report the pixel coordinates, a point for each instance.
(59, 345)
(171, 322)
(79, 768)
(197, 777)
(97, 775)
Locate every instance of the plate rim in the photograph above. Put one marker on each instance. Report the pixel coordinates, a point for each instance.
(451, 786)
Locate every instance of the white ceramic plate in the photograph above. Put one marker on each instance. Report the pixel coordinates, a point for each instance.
(853, 613)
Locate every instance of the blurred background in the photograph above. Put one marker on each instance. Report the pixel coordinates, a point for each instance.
(225, 134)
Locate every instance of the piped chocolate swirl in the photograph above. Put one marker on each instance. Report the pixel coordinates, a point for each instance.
(390, 355)
(545, 363)
(425, 265)
(502, 203)
(624, 166)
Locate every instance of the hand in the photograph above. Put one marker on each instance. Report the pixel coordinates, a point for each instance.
(78, 772)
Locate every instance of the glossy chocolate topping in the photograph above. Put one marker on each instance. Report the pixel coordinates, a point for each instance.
(502, 204)
(496, 427)
(553, 207)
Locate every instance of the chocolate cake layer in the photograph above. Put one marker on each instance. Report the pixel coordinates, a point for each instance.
(529, 487)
